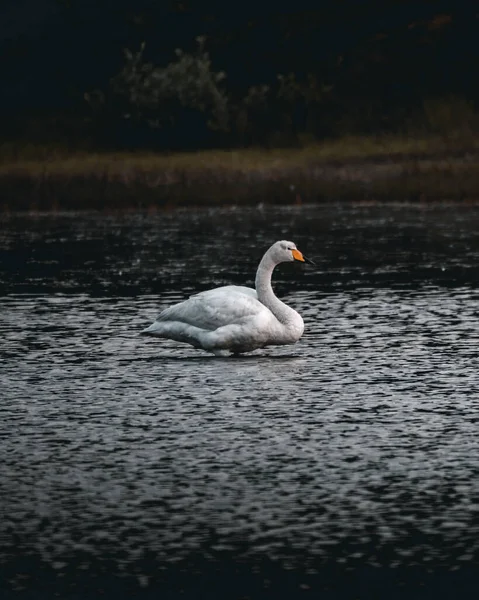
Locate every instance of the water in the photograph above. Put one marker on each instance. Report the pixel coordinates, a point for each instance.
(346, 466)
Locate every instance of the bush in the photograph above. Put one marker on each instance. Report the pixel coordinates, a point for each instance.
(451, 116)
(182, 101)
(185, 105)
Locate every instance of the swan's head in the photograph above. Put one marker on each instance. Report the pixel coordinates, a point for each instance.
(284, 251)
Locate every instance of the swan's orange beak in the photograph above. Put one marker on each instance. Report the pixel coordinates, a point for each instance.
(297, 255)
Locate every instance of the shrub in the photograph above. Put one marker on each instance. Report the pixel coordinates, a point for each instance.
(183, 99)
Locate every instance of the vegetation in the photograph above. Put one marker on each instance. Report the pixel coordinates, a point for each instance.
(350, 100)
(184, 75)
(374, 169)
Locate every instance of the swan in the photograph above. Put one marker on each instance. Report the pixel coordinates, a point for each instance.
(236, 319)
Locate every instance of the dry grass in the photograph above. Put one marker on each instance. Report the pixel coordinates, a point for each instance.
(398, 168)
(58, 160)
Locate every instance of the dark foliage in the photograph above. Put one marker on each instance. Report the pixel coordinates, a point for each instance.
(247, 73)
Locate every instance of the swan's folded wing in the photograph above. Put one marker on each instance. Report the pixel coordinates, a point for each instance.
(215, 308)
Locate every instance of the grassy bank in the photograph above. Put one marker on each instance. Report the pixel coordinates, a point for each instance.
(380, 169)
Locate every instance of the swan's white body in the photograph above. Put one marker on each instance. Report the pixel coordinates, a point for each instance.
(235, 318)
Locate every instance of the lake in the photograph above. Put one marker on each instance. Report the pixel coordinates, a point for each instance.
(345, 466)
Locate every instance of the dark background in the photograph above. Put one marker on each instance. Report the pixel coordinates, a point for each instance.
(363, 67)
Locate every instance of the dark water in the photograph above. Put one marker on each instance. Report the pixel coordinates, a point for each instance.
(346, 466)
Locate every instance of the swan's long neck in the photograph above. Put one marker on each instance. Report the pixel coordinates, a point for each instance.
(266, 296)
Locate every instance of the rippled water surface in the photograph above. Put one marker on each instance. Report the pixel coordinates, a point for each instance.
(344, 466)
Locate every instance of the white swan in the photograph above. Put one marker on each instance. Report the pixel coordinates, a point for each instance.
(236, 318)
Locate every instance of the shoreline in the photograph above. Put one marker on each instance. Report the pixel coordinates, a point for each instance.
(394, 170)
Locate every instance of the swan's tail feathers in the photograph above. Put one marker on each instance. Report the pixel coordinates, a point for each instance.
(175, 330)
(154, 329)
